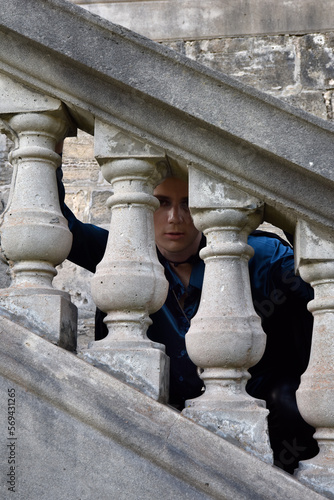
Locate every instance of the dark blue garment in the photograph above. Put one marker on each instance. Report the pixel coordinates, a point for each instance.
(280, 299)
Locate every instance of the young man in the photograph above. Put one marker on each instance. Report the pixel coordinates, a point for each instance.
(279, 297)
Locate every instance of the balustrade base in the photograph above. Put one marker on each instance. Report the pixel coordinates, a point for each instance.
(242, 422)
(47, 312)
(145, 369)
(318, 474)
(317, 477)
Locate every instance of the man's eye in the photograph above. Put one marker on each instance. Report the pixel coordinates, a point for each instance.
(163, 203)
(185, 206)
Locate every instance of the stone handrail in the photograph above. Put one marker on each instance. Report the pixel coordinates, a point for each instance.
(249, 158)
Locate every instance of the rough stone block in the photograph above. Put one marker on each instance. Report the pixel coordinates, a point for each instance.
(4, 195)
(263, 62)
(317, 61)
(245, 427)
(78, 202)
(80, 147)
(4, 274)
(6, 172)
(80, 173)
(311, 101)
(76, 281)
(315, 475)
(144, 369)
(49, 315)
(100, 213)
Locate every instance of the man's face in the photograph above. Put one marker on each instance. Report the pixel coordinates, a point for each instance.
(175, 234)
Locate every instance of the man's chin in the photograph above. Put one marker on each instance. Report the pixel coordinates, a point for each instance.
(175, 252)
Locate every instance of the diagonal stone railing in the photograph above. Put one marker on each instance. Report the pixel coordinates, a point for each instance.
(249, 158)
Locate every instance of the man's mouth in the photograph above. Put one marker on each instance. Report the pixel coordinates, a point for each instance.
(174, 235)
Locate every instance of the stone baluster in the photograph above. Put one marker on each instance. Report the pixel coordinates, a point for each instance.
(225, 337)
(129, 283)
(315, 396)
(34, 234)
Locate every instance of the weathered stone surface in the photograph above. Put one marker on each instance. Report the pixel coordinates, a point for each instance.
(78, 200)
(317, 61)
(86, 189)
(76, 281)
(315, 396)
(296, 69)
(4, 274)
(317, 474)
(80, 149)
(34, 234)
(193, 19)
(78, 173)
(18, 98)
(92, 436)
(129, 283)
(82, 172)
(225, 337)
(6, 170)
(99, 211)
(311, 101)
(266, 63)
(52, 316)
(145, 369)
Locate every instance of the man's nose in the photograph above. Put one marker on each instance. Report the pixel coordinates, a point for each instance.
(175, 215)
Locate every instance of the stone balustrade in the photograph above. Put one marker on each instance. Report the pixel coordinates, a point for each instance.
(315, 396)
(236, 341)
(34, 234)
(129, 283)
(225, 337)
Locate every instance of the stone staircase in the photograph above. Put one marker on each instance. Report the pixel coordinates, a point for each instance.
(81, 433)
(84, 432)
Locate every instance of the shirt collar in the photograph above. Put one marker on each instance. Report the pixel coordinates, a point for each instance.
(197, 273)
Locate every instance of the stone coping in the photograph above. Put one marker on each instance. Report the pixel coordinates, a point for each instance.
(64, 384)
(194, 19)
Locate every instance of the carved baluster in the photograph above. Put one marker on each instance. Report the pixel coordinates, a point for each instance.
(315, 396)
(226, 337)
(129, 283)
(34, 234)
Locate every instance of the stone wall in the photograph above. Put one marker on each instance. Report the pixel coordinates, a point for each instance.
(297, 68)
(5, 180)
